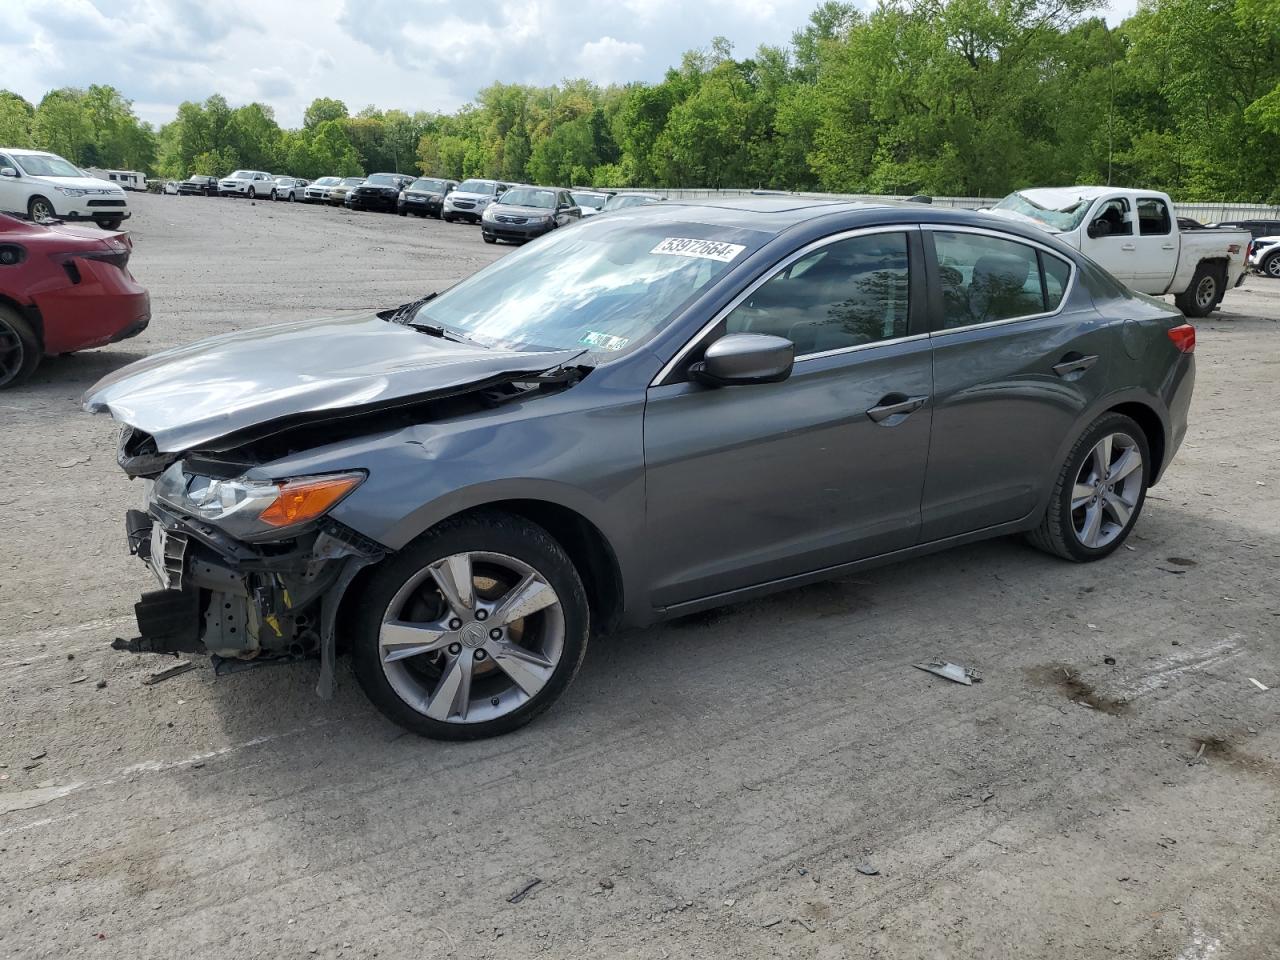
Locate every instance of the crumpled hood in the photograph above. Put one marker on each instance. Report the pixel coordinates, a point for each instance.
(192, 395)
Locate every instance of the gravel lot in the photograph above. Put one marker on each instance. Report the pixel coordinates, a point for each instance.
(714, 787)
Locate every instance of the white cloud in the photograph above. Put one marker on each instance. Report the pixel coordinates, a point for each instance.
(407, 54)
(608, 59)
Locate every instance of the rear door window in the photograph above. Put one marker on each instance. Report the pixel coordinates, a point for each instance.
(1153, 217)
(984, 279)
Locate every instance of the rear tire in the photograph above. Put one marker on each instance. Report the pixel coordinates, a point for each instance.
(407, 683)
(1204, 293)
(1084, 490)
(110, 223)
(19, 348)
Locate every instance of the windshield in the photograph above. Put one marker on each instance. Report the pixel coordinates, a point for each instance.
(626, 200)
(37, 166)
(429, 186)
(352, 181)
(382, 179)
(1064, 218)
(529, 197)
(485, 187)
(606, 286)
(593, 200)
(241, 175)
(325, 182)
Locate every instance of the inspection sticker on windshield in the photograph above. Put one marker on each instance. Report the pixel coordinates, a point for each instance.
(604, 341)
(705, 249)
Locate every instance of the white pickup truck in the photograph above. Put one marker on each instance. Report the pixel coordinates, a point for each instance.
(1134, 234)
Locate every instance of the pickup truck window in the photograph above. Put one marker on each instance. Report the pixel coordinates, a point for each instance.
(1116, 213)
(1153, 217)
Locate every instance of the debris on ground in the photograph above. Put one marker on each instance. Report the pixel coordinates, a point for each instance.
(1199, 753)
(524, 891)
(867, 870)
(950, 671)
(101, 684)
(171, 672)
(67, 464)
(39, 754)
(1259, 684)
(81, 679)
(771, 922)
(806, 924)
(1109, 661)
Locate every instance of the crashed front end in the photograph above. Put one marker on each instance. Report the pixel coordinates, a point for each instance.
(250, 570)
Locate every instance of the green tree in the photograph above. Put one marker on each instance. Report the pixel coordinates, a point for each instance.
(15, 120)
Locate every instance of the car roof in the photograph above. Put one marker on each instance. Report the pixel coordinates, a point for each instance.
(778, 214)
(22, 151)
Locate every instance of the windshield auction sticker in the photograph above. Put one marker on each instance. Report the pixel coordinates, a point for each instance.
(704, 249)
(604, 341)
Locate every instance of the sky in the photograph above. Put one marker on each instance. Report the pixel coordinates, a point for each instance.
(408, 54)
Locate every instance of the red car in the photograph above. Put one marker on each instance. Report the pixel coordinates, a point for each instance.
(63, 288)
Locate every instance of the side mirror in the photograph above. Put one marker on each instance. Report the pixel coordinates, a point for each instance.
(1100, 228)
(8, 172)
(743, 358)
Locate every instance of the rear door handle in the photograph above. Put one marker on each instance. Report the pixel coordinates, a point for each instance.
(894, 408)
(1128, 246)
(1070, 365)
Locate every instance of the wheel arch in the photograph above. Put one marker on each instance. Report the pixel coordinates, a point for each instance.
(588, 548)
(29, 312)
(1151, 424)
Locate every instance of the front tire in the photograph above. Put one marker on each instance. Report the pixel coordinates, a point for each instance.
(1204, 293)
(1099, 492)
(253, 194)
(110, 223)
(19, 348)
(39, 208)
(488, 238)
(1271, 266)
(472, 630)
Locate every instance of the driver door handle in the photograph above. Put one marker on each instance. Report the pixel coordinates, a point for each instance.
(894, 408)
(1074, 365)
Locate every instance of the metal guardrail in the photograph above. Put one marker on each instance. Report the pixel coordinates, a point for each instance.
(1204, 212)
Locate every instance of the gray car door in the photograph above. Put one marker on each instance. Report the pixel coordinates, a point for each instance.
(751, 484)
(1017, 359)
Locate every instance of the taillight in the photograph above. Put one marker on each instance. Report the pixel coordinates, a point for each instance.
(1184, 338)
(117, 256)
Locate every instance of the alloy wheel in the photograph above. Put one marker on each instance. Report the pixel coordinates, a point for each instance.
(1206, 292)
(1106, 490)
(1272, 266)
(41, 209)
(12, 353)
(471, 637)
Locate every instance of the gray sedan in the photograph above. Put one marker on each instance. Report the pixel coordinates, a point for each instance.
(523, 213)
(659, 411)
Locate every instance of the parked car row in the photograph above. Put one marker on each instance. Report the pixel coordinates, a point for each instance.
(504, 210)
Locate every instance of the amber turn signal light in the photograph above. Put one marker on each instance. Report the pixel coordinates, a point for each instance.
(301, 500)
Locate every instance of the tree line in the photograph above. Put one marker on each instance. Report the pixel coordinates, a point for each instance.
(946, 97)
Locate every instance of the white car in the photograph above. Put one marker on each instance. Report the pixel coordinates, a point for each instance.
(468, 200)
(318, 191)
(1264, 256)
(44, 186)
(289, 188)
(248, 183)
(591, 202)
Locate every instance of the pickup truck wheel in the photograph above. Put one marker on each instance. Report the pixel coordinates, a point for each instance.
(1271, 266)
(1199, 299)
(472, 630)
(19, 348)
(39, 208)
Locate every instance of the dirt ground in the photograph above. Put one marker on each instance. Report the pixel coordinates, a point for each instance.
(772, 780)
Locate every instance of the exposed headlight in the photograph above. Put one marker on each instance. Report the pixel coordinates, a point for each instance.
(70, 191)
(253, 509)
